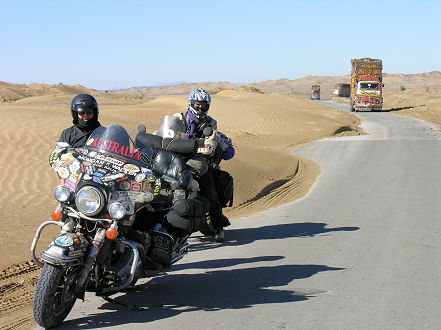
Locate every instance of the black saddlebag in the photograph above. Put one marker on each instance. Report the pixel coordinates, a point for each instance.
(184, 217)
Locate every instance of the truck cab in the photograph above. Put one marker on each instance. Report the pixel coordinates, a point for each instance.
(368, 96)
(366, 84)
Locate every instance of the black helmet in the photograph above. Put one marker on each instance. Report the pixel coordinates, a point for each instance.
(83, 102)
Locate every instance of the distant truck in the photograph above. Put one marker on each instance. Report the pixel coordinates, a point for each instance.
(315, 93)
(342, 90)
(366, 84)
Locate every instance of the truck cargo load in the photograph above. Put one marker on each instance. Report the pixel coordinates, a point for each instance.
(342, 90)
(366, 84)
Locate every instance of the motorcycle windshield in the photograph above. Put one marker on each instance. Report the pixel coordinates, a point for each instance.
(170, 127)
(115, 140)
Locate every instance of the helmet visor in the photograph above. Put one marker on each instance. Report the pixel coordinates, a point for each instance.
(82, 108)
(199, 105)
(85, 112)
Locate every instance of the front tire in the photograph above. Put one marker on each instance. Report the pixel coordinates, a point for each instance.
(55, 294)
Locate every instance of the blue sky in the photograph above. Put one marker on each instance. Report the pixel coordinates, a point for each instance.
(127, 43)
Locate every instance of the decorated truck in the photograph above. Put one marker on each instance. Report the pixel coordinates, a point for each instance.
(366, 84)
(342, 90)
(315, 92)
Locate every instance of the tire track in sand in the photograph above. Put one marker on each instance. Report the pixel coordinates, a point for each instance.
(17, 286)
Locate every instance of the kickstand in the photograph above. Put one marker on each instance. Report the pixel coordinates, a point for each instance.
(131, 307)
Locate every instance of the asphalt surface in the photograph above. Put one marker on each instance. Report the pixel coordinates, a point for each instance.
(361, 251)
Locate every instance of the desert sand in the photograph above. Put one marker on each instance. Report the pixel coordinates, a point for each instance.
(265, 129)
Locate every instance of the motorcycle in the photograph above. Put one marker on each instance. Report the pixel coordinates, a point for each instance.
(166, 137)
(121, 219)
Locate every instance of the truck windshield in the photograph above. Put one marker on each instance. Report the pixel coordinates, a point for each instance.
(369, 86)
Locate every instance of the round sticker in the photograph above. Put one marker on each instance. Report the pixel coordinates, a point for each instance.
(130, 207)
(124, 185)
(75, 166)
(64, 241)
(63, 172)
(139, 177)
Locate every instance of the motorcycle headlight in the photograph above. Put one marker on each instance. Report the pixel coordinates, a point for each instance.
(62, 193)
(90, 200)
(117, 210)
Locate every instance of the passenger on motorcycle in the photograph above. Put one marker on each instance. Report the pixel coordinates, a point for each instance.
(216, 147)
(84, 110)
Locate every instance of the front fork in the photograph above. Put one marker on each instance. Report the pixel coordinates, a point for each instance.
(90, 259)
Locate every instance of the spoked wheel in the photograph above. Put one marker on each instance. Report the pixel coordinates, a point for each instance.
(55, 294)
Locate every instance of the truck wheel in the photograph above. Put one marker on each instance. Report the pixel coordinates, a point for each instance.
(55, 294)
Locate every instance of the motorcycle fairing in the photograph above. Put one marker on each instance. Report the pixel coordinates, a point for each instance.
(66, 248)
(109, 161)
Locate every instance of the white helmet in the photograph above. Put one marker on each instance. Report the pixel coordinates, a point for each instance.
(202, 99)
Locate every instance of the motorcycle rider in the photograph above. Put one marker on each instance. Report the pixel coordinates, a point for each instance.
(217, 146)
(84, 110)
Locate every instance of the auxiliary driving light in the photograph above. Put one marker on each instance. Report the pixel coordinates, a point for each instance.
(117, 210)
(62, 193)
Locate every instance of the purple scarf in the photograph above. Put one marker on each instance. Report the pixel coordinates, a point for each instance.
(192, 123)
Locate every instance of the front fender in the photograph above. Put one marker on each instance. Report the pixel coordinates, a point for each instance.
(68, 248)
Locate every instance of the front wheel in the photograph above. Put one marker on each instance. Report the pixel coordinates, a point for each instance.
(55, 294)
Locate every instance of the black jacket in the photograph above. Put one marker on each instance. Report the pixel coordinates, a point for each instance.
(76, 136)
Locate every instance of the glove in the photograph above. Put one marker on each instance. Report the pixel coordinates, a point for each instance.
(210, 144)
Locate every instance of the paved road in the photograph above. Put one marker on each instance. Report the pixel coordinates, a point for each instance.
(361, 251)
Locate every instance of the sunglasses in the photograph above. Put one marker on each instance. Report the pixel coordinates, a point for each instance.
(84, 113)
(200, 105)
